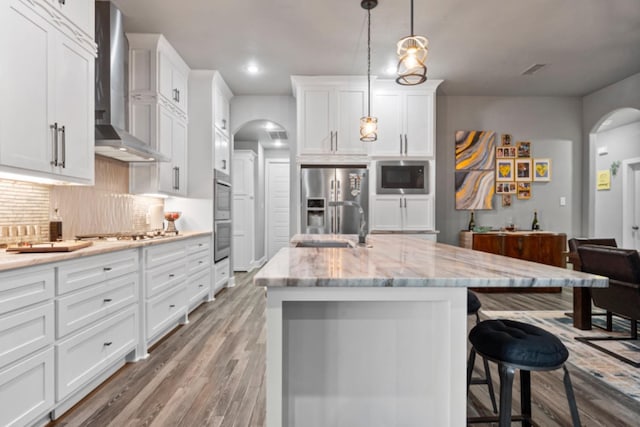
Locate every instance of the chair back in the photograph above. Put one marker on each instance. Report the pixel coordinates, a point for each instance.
(576, 242)
(615, 263)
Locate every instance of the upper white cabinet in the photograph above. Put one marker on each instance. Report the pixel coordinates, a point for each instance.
(406, 119)
(80, 12)
(209, 146)
(158, 87)
(157, 72)
(329, 111)
(46, 119)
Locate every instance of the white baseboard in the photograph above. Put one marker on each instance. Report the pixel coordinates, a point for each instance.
(257, 263)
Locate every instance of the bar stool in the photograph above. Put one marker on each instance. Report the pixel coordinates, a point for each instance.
(473, 307)
(516, 345)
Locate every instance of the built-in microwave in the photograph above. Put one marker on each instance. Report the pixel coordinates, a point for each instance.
(402, 177)
(222, 197)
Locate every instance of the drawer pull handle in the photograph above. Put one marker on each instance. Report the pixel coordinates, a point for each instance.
(107, 300)
(200, 262)
(172, 306)
(201, 285)
(107, 344)
(107, 269)
(172, 275)
(200, 244)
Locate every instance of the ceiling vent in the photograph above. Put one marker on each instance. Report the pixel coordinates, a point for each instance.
(533, 69)
(277, 134)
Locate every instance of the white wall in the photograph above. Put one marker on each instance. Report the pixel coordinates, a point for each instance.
(552, 124)
(622, 143)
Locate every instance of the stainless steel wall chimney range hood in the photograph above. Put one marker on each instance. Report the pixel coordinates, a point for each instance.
(111, 109)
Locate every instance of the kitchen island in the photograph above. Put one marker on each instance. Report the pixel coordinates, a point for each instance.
(376, 335)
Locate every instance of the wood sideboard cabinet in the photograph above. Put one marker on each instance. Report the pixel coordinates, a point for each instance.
(539, 246)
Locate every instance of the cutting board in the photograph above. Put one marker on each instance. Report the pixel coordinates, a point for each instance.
(64, 246)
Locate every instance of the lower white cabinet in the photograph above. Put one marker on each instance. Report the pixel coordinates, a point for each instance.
(222, 274)
(27, 389)
(24, 331)
(199, 268)
(402, 213)
(199, 287)
(164, 311)
(83, 356)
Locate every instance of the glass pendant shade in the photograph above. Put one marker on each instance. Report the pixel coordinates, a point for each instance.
(412, 52)
(368, 129)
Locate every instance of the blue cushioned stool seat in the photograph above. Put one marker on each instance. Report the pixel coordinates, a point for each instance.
(516, 345)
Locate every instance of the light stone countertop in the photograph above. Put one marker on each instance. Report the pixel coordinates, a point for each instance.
(12, 260)
(406, 261)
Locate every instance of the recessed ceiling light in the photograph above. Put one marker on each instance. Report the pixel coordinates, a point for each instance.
(253, 68)
(269, 126)
(122, 149)
(277, 143)
(390, 69)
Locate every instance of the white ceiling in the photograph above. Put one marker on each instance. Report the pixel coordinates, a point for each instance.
(476, 47)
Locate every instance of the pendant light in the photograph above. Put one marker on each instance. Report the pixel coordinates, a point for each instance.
(412, 53)
(368, 124)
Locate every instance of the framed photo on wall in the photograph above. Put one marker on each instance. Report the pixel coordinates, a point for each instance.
(542, 170)
(524, 190)
(523, 169)
(524, 149)
(506, 139)
(504, 170)
(506, 200)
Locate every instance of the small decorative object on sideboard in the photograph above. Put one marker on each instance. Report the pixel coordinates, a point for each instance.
(171, 217)
(535, 225)
(55, 227)
(472, 223)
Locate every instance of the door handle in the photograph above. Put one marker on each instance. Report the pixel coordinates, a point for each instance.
(405, 203)
(400, 202)
(178, 177)
(54, 126)
(224, 124)
(400, 143)
(336, 140)
(63, 131)
(635, 227)
(175, 177)
(406, 143)
(331, 149)
(224, 164)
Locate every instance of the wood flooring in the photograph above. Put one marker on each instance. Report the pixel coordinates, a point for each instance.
(211, 372)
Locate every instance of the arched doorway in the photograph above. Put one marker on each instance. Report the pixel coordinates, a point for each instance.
(260, 182)
(615, 154)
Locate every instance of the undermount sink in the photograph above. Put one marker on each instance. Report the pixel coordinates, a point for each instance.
(323, 244)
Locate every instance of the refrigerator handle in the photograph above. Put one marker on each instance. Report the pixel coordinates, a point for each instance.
(338, 221)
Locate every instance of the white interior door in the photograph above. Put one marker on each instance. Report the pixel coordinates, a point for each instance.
(277, 197)
(631, 204)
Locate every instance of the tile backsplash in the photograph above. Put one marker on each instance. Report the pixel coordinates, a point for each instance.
(25, 209)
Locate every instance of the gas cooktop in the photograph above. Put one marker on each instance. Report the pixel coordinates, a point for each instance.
(127, 235)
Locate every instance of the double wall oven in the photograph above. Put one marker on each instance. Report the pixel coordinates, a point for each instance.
(223, 199)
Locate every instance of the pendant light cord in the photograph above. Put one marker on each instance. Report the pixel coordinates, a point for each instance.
(412, 19)
(369, 63)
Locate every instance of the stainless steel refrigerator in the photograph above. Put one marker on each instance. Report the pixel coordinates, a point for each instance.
(321, 185)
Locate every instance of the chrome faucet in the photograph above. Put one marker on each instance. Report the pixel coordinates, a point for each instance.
(362, 234)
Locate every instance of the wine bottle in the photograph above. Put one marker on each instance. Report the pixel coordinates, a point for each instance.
(472, 223)
(535, 226)
(55, 227)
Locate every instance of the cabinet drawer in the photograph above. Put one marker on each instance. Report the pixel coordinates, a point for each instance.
(222, 271)
(26, 287)
(165, 309)
(162, 278)
(84, 355)
(198, 245)
(198, 286)
(24, 332)
(161, 254)
(198, 262)
(81, 308)
(26, 390)
(73, 275)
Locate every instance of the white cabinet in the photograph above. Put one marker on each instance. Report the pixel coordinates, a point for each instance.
(222, 151)
(244, 209)
(199, 271)
(172, 78)
(406, 119)
(47, 121)
(165, 288)
(222, 274)
(157, 71)
(80, 12)
(402, 213)
(26, 345)
(158, 86)
(329, 111)
(27, 389)
(209, 137)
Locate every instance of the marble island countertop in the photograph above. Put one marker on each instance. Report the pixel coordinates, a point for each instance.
(12, 260)
(407, 261)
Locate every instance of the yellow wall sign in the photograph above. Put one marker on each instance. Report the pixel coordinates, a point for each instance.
(604, 180)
